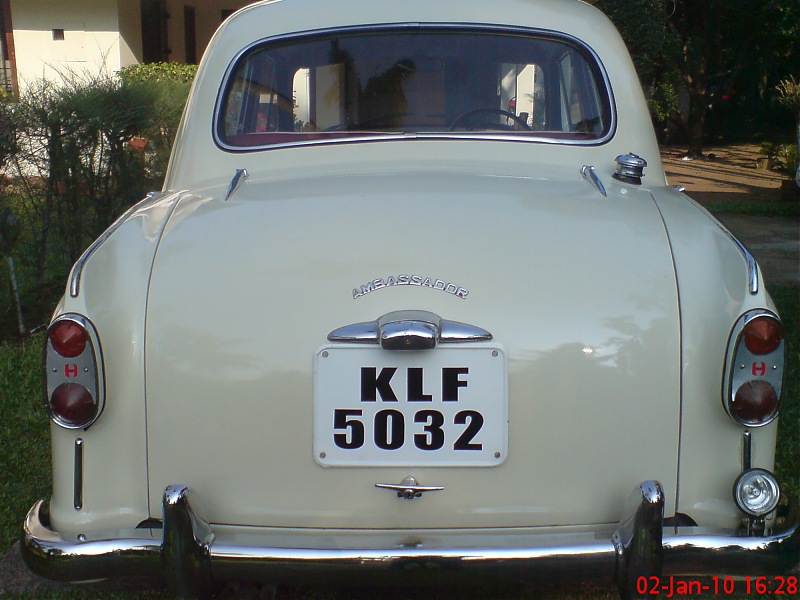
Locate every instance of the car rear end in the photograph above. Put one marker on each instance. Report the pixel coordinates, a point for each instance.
(382, 321)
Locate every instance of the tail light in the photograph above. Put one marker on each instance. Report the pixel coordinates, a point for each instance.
(754, 376)
(762, 335)
(73, 372)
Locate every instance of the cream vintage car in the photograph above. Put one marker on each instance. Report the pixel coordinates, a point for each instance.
(416, 299)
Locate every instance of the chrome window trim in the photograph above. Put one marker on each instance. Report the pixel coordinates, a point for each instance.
(399, 136)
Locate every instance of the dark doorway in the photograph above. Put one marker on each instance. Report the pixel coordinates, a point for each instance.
(190, 34)
(155, 40)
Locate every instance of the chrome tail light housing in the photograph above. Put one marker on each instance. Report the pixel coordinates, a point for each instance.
(73, 372)
(754, 372)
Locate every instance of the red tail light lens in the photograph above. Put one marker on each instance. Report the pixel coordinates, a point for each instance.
(763, 335)
(72, 405)
(68, 338)
(755, 402)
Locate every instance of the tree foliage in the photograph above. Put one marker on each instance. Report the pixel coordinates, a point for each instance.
(711, 66)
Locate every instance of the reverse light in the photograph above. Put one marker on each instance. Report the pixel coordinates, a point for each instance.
(74, 386)
(757, 492)
(754, 370)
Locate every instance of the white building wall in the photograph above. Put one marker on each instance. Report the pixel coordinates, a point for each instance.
(90, 44)
(130, 31)
(99, 35)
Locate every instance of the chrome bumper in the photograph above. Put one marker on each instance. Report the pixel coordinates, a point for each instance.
(192, 556)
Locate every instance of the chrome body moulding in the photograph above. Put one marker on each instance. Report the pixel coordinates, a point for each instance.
(194, 553)
(77, 496)
(752, 266)
(80, 264)
(753, 283)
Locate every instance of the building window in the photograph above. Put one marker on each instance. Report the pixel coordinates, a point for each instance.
(155, 40)
(190, 34)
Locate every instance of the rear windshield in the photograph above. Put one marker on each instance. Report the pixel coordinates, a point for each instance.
(414, 81)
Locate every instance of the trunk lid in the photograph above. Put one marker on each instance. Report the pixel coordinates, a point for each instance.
(577, 290)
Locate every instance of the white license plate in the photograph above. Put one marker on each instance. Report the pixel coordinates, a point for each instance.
(441, 407)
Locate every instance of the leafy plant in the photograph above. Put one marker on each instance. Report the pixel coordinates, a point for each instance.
(76, 154)
(663, 100)
(789, 96)
(158, 72)
(787, 154)
(73, 168)
(164, 88)
(789, 93)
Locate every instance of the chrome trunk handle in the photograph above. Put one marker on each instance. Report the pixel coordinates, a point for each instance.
(409, 488)
(409, 330)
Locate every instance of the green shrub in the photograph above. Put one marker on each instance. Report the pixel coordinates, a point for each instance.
(158, 72)
(787, 154)
(73, 166)
(76, 154)
(165, 87)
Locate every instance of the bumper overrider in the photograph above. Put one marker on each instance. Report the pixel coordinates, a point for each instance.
(191, 555)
